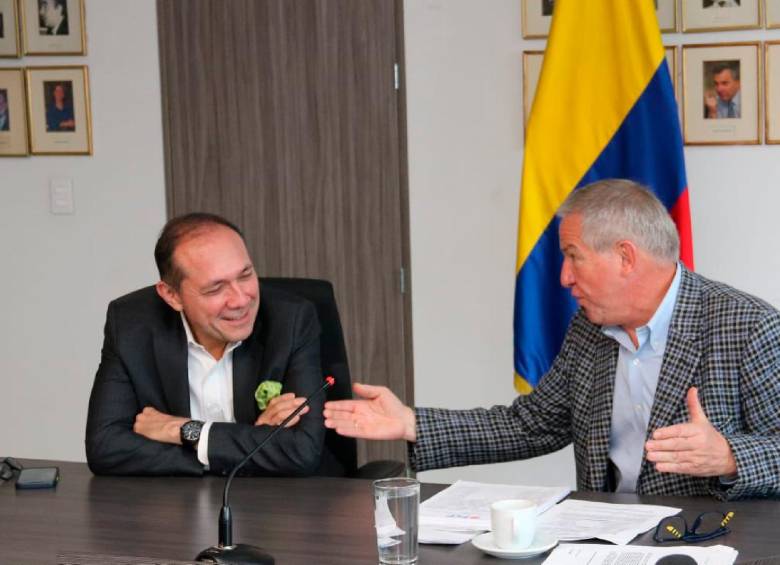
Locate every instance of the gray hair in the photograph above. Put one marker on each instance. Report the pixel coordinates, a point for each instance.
(617, 209)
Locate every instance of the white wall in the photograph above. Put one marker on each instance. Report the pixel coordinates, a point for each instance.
(58, 272)
(464, 94)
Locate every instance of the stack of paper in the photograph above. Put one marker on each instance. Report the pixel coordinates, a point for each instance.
(618, 523)
(462, 510)
(576, 554)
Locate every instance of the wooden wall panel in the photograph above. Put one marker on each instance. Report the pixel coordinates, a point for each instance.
(283, 116)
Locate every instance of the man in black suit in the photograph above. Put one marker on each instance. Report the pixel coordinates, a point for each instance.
(181, 360)
(53, 18)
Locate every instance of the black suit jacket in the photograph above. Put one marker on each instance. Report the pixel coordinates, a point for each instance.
(144, 363)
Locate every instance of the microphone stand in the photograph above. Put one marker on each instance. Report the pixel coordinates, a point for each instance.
(225, 551)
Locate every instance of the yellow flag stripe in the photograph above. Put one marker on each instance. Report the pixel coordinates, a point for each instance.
(601, 55)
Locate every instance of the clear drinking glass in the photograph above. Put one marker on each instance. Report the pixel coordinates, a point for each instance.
(396, 505)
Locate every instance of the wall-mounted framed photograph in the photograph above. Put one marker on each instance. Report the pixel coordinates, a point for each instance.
(671, 62)
(532, 69)
(53, 27)
(772, 13)
(772, 91)
(58, 108)
(9, 29)
(13, 115)
(721, 94)
(537, 15)
(718, 15)
(666, 10)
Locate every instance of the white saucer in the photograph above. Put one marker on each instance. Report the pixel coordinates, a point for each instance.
(540, 544)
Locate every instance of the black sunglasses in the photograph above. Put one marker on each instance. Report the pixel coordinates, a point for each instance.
(707, 526)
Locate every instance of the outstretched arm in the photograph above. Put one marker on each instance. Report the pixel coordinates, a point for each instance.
(379, 415)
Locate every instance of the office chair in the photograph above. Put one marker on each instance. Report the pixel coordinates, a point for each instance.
(333, 359)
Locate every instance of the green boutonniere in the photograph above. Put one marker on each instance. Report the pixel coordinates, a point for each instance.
(266, 391)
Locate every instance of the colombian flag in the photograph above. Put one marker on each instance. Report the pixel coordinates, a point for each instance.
(604, 108)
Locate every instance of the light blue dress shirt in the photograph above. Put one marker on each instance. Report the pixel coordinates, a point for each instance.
(638, 369)
(730, 109)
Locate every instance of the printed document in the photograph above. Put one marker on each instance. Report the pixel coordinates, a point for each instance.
(616, 523)
(462, 510)
(576, 554)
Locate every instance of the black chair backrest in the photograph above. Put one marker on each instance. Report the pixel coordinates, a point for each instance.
(333, 353)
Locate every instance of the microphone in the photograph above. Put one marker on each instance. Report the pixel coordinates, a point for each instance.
(225, 551)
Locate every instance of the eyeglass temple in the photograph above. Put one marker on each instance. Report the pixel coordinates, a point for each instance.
(674, 531)
(726, 519)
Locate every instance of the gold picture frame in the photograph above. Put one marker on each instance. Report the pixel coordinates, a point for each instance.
(536, 18)
(721, 94)
(670, 51)
(772, 92)
(772, 14)
(720, 15)
(53, 27)
(666, 10)
(532, 69)
(13, 114)
(58, 109)
(10, 46)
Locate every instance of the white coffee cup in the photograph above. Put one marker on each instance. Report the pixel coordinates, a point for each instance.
(513, 523)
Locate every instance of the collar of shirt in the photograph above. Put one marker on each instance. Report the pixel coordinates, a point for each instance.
(656, 331)
(193, 345)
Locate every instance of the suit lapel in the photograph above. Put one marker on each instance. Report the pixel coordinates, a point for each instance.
(246, 368)
(679, 368)
(604, 367)
(170, 354)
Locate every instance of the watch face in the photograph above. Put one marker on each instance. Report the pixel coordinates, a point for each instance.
(190, 432)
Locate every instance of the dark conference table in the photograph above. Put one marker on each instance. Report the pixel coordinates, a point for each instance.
(315, 521)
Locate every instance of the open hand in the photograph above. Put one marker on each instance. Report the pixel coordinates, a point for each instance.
(694, 448)
(380, 415)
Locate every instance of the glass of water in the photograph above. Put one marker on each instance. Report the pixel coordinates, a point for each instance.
(396, 505)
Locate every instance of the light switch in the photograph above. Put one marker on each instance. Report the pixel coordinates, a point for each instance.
(61, 196)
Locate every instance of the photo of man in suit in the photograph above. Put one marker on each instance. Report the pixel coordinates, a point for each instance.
(721, 3)
(175, 390)
(5, 123)
(667, 382)
(722, 97)
(53, 17)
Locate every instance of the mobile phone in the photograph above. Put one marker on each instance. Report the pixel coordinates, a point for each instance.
(38, 477)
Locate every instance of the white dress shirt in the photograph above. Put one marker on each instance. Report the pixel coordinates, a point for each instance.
(211, 387)
(638, 369)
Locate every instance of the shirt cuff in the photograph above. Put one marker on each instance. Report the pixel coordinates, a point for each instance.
(728, 480)
(203, 444)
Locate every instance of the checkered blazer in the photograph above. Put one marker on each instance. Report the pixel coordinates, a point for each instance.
(721, 340)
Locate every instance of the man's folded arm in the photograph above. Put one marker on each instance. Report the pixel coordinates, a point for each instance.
(112, 447)
(295, 451)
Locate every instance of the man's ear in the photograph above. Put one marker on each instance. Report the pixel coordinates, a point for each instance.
(170, 295)
(628, 254)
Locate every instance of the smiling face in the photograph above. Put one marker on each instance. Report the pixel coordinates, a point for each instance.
(219, 293)
(595, 278)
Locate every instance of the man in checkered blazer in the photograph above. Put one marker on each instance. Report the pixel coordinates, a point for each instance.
(667, 382)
